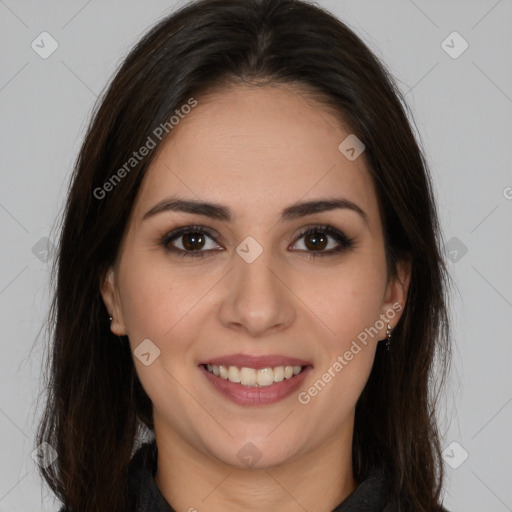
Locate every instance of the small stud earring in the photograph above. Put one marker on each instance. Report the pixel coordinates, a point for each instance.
(110, 320)
(389, 330)
(120, 338)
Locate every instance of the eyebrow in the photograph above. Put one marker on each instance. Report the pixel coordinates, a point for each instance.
(223, 213)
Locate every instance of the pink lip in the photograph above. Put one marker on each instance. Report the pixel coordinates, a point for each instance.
(265, 395)
(256, 362)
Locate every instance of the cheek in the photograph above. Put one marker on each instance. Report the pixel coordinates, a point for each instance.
(349, 306)
(346, 299)
(161, 305)
(155, 298)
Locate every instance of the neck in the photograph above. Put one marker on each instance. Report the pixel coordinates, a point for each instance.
(318, 480)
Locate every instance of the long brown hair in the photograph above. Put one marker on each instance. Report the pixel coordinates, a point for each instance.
(96, 408)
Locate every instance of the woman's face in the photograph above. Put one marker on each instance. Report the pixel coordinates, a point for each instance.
(242, 288)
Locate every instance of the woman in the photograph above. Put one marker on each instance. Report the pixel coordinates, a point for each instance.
(250, 271)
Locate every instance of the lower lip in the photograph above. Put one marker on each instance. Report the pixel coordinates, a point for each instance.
(265, 395)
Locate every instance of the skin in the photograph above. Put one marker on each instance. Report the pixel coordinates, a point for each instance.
(256, 150)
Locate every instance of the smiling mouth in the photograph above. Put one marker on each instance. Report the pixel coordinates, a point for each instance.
(251, 377)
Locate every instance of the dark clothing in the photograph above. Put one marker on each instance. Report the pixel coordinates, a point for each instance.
(370, 495)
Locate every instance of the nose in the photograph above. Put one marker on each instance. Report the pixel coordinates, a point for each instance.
(257, 301)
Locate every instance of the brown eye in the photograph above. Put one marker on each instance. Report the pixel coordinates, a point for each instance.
(190, 241)
(193, 241)
(322, 241)
(316, 241)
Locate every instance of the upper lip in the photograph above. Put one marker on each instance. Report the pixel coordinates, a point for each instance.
(256, 362)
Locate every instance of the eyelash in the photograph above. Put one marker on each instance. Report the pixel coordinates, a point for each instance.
(343, 240)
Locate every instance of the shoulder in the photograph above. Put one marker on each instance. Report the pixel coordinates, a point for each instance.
(140, 483)
(394, 507)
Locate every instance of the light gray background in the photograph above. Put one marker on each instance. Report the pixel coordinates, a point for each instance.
(463, 111)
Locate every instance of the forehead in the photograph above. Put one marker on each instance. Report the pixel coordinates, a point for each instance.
(257, 149)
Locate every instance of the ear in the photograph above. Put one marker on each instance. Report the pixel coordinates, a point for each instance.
(395, 296)
(110, 294)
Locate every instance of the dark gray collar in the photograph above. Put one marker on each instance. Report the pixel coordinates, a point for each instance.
(370, 495)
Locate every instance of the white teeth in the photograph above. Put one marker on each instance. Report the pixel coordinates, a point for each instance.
(265, 377)
(248, 377)
(234, 374)
(279, 374)
(251, 377)
(223, 371)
